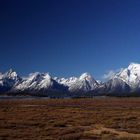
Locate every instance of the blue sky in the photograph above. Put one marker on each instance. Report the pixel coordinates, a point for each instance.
(69, 37)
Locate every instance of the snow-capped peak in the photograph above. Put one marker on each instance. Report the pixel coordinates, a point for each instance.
(47, 76)
(84, 83)
(133, 66)
(39, 82)
(11, 74)
(47, 81)
(34, 76)
(131, 75)
(66, 81)
(127, 79)
(85, 76)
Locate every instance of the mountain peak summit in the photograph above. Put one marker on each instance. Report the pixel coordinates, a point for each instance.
(85, 75)
(11, 74)
(133, 66)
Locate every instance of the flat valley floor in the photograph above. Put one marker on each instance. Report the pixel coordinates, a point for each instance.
(70, 119)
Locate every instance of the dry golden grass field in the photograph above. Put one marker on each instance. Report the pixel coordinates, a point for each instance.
(70, 119)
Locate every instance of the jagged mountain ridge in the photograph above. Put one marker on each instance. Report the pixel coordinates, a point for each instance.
(8, 80)
(39, 83)
(126, 80)
(131, 76)
(84, 83)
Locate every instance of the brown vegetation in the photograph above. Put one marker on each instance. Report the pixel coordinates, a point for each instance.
(70, 119)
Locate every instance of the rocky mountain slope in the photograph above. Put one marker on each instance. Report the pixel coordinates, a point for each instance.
(127, 80)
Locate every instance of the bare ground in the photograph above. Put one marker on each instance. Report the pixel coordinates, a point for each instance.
(70, 119)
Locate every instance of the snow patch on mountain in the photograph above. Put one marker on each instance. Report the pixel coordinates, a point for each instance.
(84, 83)
(131, 75)
(127, 80)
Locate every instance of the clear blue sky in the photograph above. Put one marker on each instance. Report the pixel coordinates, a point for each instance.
(69, 37)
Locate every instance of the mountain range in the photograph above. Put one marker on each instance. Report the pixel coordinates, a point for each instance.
(123, 83)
